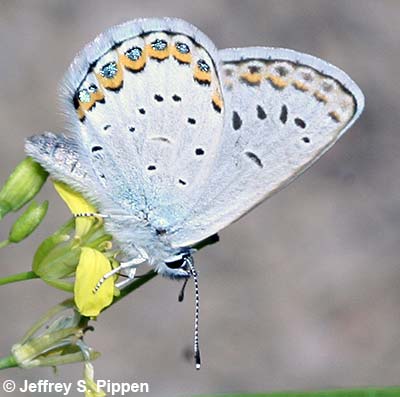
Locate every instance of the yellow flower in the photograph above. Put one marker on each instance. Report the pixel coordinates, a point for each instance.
(77, 204)
(93, 265)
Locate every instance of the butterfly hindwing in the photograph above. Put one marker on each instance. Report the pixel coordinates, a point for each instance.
(283, 110)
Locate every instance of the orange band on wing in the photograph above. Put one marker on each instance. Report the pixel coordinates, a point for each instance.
(81, 114)
(320, 97)
(202, 77)
(217, 101)
(157, 54)
(276, 81)
(251, 78)
(134, 66)
(300, 86)
(182, 58)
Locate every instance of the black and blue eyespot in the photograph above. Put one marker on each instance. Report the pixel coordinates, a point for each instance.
(182, 47)
(134, 53)
(159, 45)
(203, 65)
(84, 95)
(109, 70)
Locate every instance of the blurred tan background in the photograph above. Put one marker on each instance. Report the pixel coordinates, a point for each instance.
(302, 293)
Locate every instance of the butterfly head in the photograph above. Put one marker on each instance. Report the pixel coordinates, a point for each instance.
(177, 266)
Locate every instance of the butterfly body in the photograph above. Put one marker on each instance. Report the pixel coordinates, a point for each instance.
(174, 140)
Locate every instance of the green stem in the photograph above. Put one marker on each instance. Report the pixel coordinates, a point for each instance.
(135, 285)
(18, 277)
(8, 362)
(4, 243)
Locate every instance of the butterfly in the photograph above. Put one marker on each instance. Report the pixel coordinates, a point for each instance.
(173, 140)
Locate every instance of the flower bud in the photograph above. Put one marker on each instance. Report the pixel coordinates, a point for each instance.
(28, 221)
(21, 186)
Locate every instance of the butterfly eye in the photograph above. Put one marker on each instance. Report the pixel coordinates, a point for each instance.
(175, 264)
(177, 261)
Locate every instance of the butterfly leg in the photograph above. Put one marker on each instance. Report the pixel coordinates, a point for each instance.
(130, 276)
(124, 265)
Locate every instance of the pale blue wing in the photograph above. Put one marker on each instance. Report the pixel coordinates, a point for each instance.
(283, 110)
(147, 108)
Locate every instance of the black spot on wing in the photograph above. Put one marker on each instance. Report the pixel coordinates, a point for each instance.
(261, 113)
(161, 139)
(254, 69)
(284, 114)
(96, 148)
(252, 156)
(282, 71)
(236, 120)
(300, 122)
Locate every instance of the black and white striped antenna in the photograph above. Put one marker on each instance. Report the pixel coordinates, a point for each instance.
(190, 263)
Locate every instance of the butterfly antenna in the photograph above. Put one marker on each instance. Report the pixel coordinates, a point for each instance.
(89, 214)
(197, 311)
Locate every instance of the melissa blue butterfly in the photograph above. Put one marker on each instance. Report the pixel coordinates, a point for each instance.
(173, 139)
